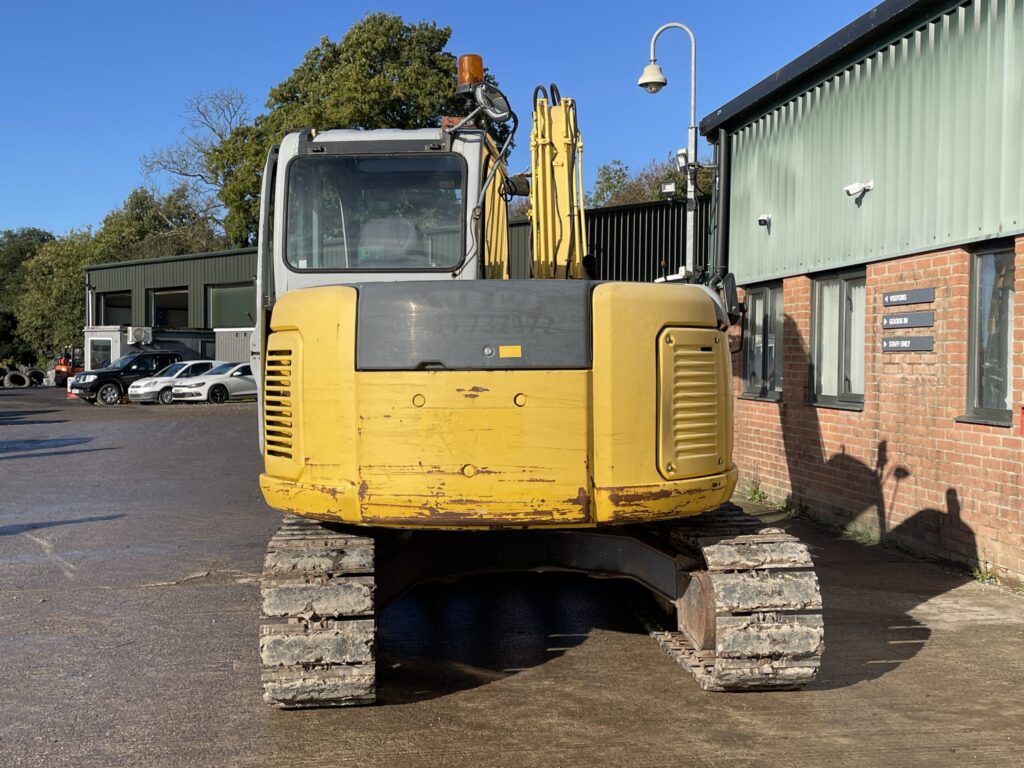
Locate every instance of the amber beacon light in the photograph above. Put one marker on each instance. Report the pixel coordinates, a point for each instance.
(471, 72)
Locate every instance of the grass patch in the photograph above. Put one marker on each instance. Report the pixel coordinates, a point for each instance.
(864, 538)
(755, 493)
(983, 575)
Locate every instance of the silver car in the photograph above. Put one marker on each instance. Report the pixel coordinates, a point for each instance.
(157, 388)
(228, 381)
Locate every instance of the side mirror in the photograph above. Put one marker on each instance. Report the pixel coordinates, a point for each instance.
(492, 102)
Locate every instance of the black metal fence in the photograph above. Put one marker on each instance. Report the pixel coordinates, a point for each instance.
(634, 243)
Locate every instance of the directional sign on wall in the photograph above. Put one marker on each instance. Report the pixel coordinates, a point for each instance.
(909, 320)
(911, 296)
(907, 344)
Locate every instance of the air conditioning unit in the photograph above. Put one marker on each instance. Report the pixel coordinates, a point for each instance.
(140, 335)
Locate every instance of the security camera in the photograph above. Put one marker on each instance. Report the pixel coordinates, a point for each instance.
(653, 79)
(764, 220)
(859, 188)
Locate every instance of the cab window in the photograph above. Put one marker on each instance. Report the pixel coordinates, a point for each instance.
(376, 212)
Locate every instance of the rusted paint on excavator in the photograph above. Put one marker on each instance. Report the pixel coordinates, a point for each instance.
(494, 448)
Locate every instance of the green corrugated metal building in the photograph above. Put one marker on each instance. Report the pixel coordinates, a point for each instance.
(925, 100)
(201, 304)
(872, 207)
(204, 290)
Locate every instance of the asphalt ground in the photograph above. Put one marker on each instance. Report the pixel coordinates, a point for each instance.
(131, 540)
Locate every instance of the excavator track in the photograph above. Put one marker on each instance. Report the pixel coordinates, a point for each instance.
(317, 626)
(748, 610)
(750, 616)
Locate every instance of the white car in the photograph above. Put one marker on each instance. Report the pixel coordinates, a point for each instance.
(228, 381)
(157, 388)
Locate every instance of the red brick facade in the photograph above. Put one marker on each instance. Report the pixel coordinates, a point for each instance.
(902, 468)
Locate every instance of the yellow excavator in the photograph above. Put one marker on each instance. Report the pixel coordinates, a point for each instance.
(424, 416)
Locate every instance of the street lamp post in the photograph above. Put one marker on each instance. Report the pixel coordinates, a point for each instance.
(653, 80)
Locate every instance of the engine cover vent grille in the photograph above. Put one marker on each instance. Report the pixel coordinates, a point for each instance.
(693, 412)
(278, 414)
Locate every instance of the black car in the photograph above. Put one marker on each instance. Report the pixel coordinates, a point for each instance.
(108, 385)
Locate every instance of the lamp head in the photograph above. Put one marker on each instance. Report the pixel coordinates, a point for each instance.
(653, 79)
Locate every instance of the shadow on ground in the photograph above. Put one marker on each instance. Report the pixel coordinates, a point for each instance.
(869, 592)
(446, 637)
(45, 448)
(450, 636)
(17, 418)
(14, 530)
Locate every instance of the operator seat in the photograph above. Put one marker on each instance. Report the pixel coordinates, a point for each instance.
(392, 242)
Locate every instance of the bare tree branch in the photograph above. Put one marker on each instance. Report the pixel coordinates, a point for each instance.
(210, 117)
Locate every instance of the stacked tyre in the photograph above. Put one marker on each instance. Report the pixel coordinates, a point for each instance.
(15, 379)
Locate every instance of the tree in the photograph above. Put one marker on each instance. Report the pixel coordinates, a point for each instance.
(16, 247)
(51, 306)
(384, 73)
(519, 209)
(614, 185)
(210, 117)
(240, 161)
(149, 226)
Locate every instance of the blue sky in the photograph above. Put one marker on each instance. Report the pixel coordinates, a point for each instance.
(90, 87)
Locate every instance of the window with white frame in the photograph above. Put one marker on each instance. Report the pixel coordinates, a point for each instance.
(989, 390)
(231, 306)
(762, 353)
(837, 335)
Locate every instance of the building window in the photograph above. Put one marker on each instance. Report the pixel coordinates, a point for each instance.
(116, 308)
(837, 356)
(762, 353)
(231, 306)
(989, 391)
(169, 308)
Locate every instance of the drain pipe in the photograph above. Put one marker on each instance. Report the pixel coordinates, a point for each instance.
(90, 301)
(722, 235)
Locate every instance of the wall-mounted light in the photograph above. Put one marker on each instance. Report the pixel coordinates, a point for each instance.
(668, 189)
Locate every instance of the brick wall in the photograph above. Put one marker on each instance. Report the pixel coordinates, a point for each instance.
(902, 468)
